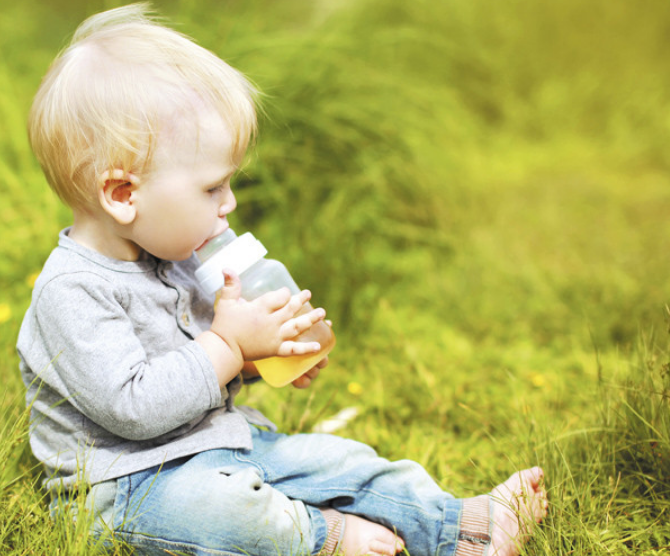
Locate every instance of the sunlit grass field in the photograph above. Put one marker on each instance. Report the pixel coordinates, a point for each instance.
(477, 192)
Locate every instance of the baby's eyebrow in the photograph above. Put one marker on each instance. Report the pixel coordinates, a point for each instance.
(223, 180)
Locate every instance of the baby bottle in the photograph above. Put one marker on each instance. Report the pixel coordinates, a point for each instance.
(245, 255)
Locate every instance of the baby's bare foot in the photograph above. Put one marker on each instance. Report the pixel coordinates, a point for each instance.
(520, 503)
(362, 537)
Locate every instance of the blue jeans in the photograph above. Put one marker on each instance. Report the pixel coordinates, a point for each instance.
(265, 501)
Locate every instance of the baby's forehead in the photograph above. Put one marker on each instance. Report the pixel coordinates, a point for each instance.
(200, 132)
(191, 120)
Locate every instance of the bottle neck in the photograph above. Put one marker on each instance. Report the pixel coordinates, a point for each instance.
(230, 252)
(215, 244)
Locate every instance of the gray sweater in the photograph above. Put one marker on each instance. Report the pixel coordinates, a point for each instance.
(114, 380)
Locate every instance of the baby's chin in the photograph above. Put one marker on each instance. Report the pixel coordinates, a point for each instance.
(172, 257)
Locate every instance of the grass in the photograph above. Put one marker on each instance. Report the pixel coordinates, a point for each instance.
(478, 194)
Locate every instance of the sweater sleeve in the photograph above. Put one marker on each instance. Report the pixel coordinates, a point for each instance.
(100, 366)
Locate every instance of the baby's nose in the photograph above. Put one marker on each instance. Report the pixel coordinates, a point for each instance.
(228, 204)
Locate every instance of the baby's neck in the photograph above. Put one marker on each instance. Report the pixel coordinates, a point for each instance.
(97, 232)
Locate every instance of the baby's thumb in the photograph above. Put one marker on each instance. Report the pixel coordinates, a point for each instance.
(232, 287)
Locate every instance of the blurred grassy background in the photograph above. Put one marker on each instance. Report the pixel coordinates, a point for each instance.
(476, 191)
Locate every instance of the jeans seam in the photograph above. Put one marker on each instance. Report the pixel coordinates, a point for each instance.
(140, 539)
(121, 501)
(355, 492)
(257, 466)
(320, 529)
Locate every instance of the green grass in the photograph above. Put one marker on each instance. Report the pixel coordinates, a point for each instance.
(477, 192)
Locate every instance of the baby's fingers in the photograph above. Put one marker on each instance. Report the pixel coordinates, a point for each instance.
(282, 299)
(297, 348)
(275, 300)
(297, 301)
(297, 325)
(232, 286)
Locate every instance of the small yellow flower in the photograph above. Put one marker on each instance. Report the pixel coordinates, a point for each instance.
(5, 312)
(538, 380)
(355, 388)
(30, 280)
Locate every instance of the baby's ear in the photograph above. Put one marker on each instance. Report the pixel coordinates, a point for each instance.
(116, 193)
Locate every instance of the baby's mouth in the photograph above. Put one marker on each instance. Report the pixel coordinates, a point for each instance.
(215, 234)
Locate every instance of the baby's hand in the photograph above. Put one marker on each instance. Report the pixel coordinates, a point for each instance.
(266, 326)
(304, 381)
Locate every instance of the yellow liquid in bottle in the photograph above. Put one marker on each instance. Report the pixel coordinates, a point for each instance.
(280, 371)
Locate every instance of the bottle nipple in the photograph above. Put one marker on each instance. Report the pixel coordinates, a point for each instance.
(231, 252)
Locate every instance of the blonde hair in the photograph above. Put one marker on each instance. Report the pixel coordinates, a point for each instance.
(105, 97)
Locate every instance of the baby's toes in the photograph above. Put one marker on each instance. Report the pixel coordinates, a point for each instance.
(386, 547)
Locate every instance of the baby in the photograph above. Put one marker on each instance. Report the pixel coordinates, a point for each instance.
(132, 375)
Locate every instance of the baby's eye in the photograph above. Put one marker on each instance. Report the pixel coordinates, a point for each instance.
(215, 189)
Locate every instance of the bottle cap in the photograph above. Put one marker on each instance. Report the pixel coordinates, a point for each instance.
(238, 256)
